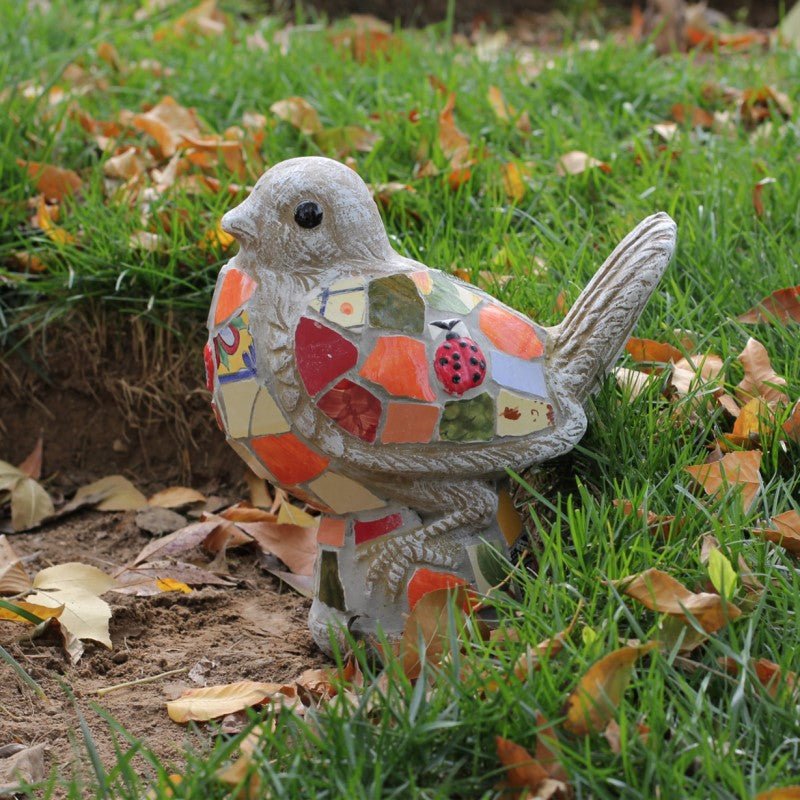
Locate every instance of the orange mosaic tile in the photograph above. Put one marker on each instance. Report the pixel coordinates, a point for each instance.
(510, 333)
(331, 532)
(235, 291)
(399, 364)
(287, 458)
(410, 422)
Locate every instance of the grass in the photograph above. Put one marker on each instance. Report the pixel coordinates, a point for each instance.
(711, 735)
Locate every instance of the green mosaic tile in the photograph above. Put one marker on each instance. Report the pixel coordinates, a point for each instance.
(395, 304)
(468, 420)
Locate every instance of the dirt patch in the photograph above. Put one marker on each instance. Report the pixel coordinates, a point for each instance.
(256, 631)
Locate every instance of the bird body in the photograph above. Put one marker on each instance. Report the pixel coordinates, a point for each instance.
(393, 396)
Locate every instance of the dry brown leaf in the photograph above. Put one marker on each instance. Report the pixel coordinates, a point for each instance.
(259, 493)
(142, 580)
(345, 140)
(599, 692)
(32, 465)
(758, 188)
(734, 469)
(632, 381)
(663, 594)
(786, 532)
(522, 770)
(172, 585)
(13, 577)
(664, 525)
(791, 428)
(204, 19)
(782, 306)
(24, 766)
(125, 165)
(30, 504)
(180, 541)
(29, 262)
(54, 183)
(453, 143)
(696, 116)
(781, 793)
(696, 374)
(119, 494)
(769, 674)
(168, 122)
(760, 379)
(175, 497)
(212, 702)
(650, 351)
(299, 113)
(296, 546)
(575, 162)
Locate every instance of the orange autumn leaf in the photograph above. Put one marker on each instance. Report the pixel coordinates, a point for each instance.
(514, 181)
(786, 532)
(754, 420)
(769, 674)
(791, 428)
(663, 594)
(664, 525)
(758, 203)
(575, 162)
(781, 306)
(44, 218)
(168, 123)
(522, 770)
(696, 116)
(299, 113)
(650, 351)
(453, 143)
(782, 793)
(696, 373)
(599, 692)
(734, 469)
(55, 183)
(760, 379)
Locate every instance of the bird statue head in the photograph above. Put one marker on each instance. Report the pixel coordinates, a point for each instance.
(305, 215)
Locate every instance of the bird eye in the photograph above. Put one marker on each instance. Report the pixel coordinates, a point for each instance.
(308, 214)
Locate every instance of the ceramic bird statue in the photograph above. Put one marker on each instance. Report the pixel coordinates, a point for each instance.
(392, 396)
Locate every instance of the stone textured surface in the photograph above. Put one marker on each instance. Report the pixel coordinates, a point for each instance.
(344, 336)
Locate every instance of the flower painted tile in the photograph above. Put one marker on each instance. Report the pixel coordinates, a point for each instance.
(395, 304)
(409, 422)
(515, 373)
(237, 406)
(468, 420)
(399, 364)
(235, 351)
(267, 416)
(331, 531)
(288, 459)
(372, 529)
(343, 302)
(234, 290)
(510, 333)
(352, 407)
(330, 590)
(518, 416)
(344, 495)
(321, 354)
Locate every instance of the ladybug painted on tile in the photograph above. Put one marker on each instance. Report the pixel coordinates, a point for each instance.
(459, 363)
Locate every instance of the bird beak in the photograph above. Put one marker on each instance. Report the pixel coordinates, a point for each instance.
(238, 223)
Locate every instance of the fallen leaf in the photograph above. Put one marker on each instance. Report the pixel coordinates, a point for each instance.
(125, 165)
(575, 162)
(53, 232)
(663, 594)
(212, 702)
(13, 577)
(769, 674)
(299, 113)
(697, 117)
(632, 381)
(294, 545)
(453, 143)
(522, 770)
(786, 532)
(345, 140)
(171, 585)
(514, 181)
(733, 470)
(650, 351)
(696, 374)
(42, 612)
(760, 379)
(599, 692)
(30, 505)
(781, 306)
(142, 580)
(119, 494)
(159, 521)
(54, 183)
(758, 203)
(175, 497)
(24, 766)
(782, 793)
(722, 574)
(180, 541)
(657, 525)
(32, 465)
(204, 19)
(168, 122)
(289, 514)
(73, 575)
(791, 427)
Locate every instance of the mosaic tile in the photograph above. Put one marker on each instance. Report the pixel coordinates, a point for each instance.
(423, 281)
(343, 495)
(427, 580)
(343, 302)
(235, 351)
(468, 420)
(237, 406)
(447, 295)
(321, 354)
(399, 364)
(234, 291)
(395, 304)
(508, 518)
(514, 373)
(353, 408)
(208, 363)
(459, 364)
(267, 416)
(331, 591)
(409, 422)
(331, 531)
(217, 416)
(288, 459)
(247, 456)
(487, 565)
(366, 531)
(510, 333)
(518, 416)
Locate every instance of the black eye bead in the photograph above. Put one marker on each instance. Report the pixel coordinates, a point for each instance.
(308, 214)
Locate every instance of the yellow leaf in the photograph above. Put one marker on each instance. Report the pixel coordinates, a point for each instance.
(53, 232)
(210, 702)
(292, 515)
(168, 122)
(171, 585)
(119, 494)
(30, 504)
(41, 611)
(175, 497)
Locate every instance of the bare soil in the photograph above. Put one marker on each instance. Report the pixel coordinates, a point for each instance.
(128, 408)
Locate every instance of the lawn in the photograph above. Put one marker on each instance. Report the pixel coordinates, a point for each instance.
(711, 730)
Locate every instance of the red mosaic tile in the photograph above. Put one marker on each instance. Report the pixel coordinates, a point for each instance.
(288, 459)
(235, 291)
(321, 354)
(364, 531)
(399, 364)
(352, 407)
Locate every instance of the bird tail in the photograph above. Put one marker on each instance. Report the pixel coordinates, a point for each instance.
(593, 334)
